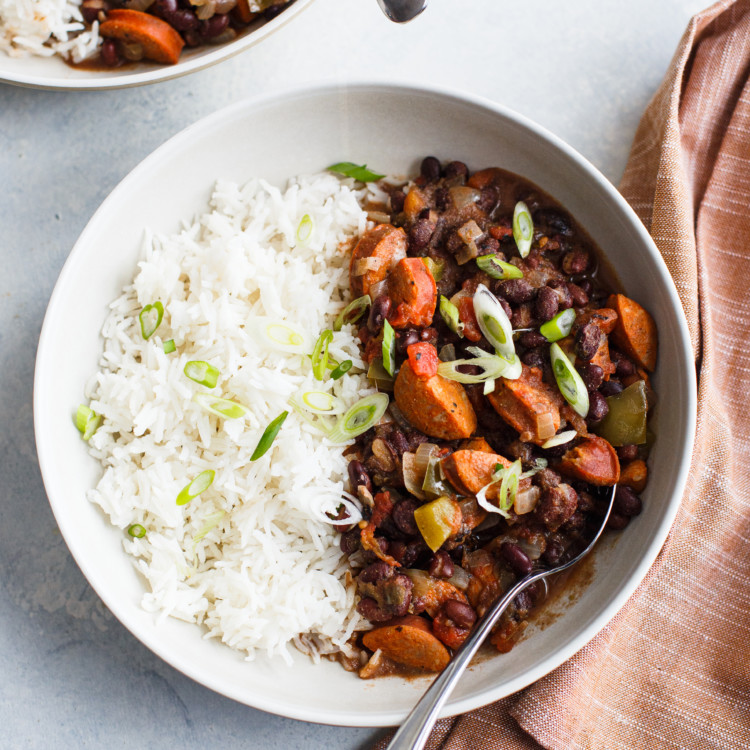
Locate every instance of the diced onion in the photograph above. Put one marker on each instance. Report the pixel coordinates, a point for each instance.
(447, 353)
(462, 196)
(493, 322)
(363, 265)
(569, 381)
(460, 578)
(523, 228)
(413, 478)
(423, 454)
(526, 500)
(378, 289)
(378, 375)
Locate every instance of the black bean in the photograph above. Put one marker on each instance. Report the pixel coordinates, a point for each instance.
(442, 199)
(598, 408)
(456, 169)
(627, 452)
(578, 296)
(627, 503)
(586, 286)
(592, 375)
(358, 476)
(517, 291)
(430, 335)
(517, 559)
(532, 339)
(378, 312)
(547, 478)
(488, 199)
(546, 303)
(90, 9)
(460, 613)
(506, 307)
(162, 7)
(523, 602)
(350, 541)
(404, 339)
(490, 246)
(617, 522)
(370, 610)
(534, 357)
(273, 10)
(553, 552)
(589, 338)
(420, 233)
(377, 571)
(397, 201)
(624, 368)
(108, 53)
(403, 516)
(610, 387)
(182, 20)
(430, 168)
(575, 261)
(553, 220)
(214, 26)
(441, 565)
(398, 440)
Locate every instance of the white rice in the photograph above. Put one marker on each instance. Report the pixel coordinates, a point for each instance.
(46, 28)
(249, 559)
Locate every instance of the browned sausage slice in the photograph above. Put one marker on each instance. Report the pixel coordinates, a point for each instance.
(377, 251)
(635, 331)
(528, 405)
(437, 406)
(409, 641)
(159, 40)
(413, 292)
(593, 460)
(470, 470)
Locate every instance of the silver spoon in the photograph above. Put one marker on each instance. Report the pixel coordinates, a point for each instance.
(417, 726)
(402, 11)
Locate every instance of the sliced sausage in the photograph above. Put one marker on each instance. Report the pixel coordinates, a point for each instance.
(593, 460)
(413, 294)
(634, 475)
(409, 641)
(528, 405)
(160, 42)
(635, 331)
(377, 251)
(437, 406)
(470, 470)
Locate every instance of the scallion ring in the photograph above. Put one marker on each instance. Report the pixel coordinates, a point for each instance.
(150, 319)
(493, 322)
(284, 337)
(87, 421)
(352, 312)
(359, 418)
(449, 313)
(137, 531)
(560, 439)
(220, 407)
(523, 228)
(267, 438)
(569, 381)
(305, 230)
(509, 485)
(361, 173)
(202, 373)
(493, 367)
(558, 327)
(320, 402)
(169, 346)
(498, 269)
(200, 484)
(389, 348)
(320, 354)
(341, 370)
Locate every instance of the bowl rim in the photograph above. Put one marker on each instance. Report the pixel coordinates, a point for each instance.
(103, 81)
(454, 97)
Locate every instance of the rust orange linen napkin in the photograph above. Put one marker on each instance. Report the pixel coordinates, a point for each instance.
(672, 670)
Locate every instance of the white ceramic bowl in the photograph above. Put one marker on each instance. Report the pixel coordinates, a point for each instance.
(53, 73)
(390, 128)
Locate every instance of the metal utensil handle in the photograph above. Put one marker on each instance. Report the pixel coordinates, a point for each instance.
(417, 726)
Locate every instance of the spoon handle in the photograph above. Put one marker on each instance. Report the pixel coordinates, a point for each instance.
(417, 726)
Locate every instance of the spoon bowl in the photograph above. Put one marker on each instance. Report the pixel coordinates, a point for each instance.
(402, 11)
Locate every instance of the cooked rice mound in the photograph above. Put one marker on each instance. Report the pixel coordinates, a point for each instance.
(250, 558)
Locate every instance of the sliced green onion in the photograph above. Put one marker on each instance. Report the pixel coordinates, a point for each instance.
(87, 421)
(169, 346)
(200, 484)
(267, 438)
(498, 269)
(558, 327)
(150, 319)
(559, 439)
(361, 173)
(202, 373)
(285, 337)
(220, 407)
(341, 370)
(493, 366)
(359, 418)
(449, 313)
(380, 378)
(489, 387)
(352, 312)
(321, 402)
(509, 485)
(493, 322)
(435, 267)
(137, 531)
(320, 354)
(304, 230)
(389, 349)
(523, 228)
(539, 464)
(212, 522)
(569, 381)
